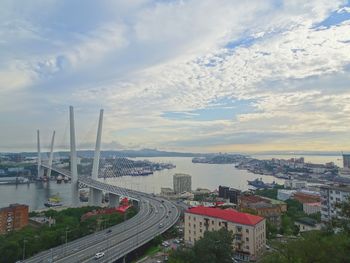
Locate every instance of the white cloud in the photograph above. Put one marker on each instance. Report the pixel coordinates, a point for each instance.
(180, 56)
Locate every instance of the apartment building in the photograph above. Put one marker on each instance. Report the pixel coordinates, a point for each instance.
(269, 208)
(330, 197)
(182, 183)
(229, 193)
(13, 217)
(249, 230)
(311, 208)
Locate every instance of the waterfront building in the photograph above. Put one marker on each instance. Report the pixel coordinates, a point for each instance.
(249, 230)
(202, 191)
(346, 161)
(182, 183)
(331, 195)
(166, 191)
(312, 208)
(229, 193)
(294, 184)
(13, 217)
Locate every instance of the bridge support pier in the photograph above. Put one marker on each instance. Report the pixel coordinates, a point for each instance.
(113, 200)
(95, 197)
(73, 161)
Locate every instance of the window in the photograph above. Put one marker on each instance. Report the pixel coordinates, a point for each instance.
(247, 247)
(247, 230)
(200, 223)
(189, 231)
(189, 224)
(238, 228)
(219, 223)
(247, 239)
(194, 218)
(337, 192)
(200, 230)
(194, 225)
(212, 221)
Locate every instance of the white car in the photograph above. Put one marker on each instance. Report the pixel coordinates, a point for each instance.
(99, 255)
(165, 244)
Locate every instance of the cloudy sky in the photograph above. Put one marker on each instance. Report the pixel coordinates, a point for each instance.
(186, 75)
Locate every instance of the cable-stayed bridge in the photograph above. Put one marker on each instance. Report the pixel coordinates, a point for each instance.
(155, 215)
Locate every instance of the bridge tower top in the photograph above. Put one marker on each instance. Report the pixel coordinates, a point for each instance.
(95, 166)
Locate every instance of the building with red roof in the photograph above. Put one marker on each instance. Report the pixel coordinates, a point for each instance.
(249, 230)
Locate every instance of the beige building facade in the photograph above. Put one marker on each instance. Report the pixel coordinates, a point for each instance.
(249, 230)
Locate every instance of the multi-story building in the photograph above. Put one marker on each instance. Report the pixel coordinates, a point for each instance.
(182, 183)
(249, 230)
(346, 161)
(271, 209)
(306, 196)
(13, 217)
(229, 193)
(330, 197)
(294, 184)
(311, 208)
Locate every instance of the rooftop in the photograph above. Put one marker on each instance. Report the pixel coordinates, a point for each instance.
(307, 221)
(344, 188)
(227, 215)
(313, 204)
(181, 175)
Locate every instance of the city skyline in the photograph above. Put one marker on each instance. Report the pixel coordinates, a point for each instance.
(194, 76)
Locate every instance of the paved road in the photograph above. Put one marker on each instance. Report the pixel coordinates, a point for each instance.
(123, 238)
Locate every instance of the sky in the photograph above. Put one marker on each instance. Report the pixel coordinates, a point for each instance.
(179, 75)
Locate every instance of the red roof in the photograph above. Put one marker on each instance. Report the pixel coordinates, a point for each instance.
(227, 215)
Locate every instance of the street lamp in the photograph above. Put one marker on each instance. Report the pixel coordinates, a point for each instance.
(24, 248)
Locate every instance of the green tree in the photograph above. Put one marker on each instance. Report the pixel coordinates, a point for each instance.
(214, 247)
(317, 246)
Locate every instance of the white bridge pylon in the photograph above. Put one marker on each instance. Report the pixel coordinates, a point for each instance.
(95, 197)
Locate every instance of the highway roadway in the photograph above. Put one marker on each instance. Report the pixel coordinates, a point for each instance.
(155, 216)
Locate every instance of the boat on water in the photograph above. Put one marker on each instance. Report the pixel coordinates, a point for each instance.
(259, 184)
(54, 201)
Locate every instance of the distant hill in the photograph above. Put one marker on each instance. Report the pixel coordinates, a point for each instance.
(123, 153)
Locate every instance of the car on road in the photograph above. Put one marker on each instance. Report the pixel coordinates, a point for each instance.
(160, 225)
(165, 244)
(177, 241)
(99, 255)
(109, 231)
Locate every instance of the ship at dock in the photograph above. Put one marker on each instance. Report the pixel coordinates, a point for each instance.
(259, 184)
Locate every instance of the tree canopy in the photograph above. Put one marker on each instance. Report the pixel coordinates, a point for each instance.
(214, 247)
